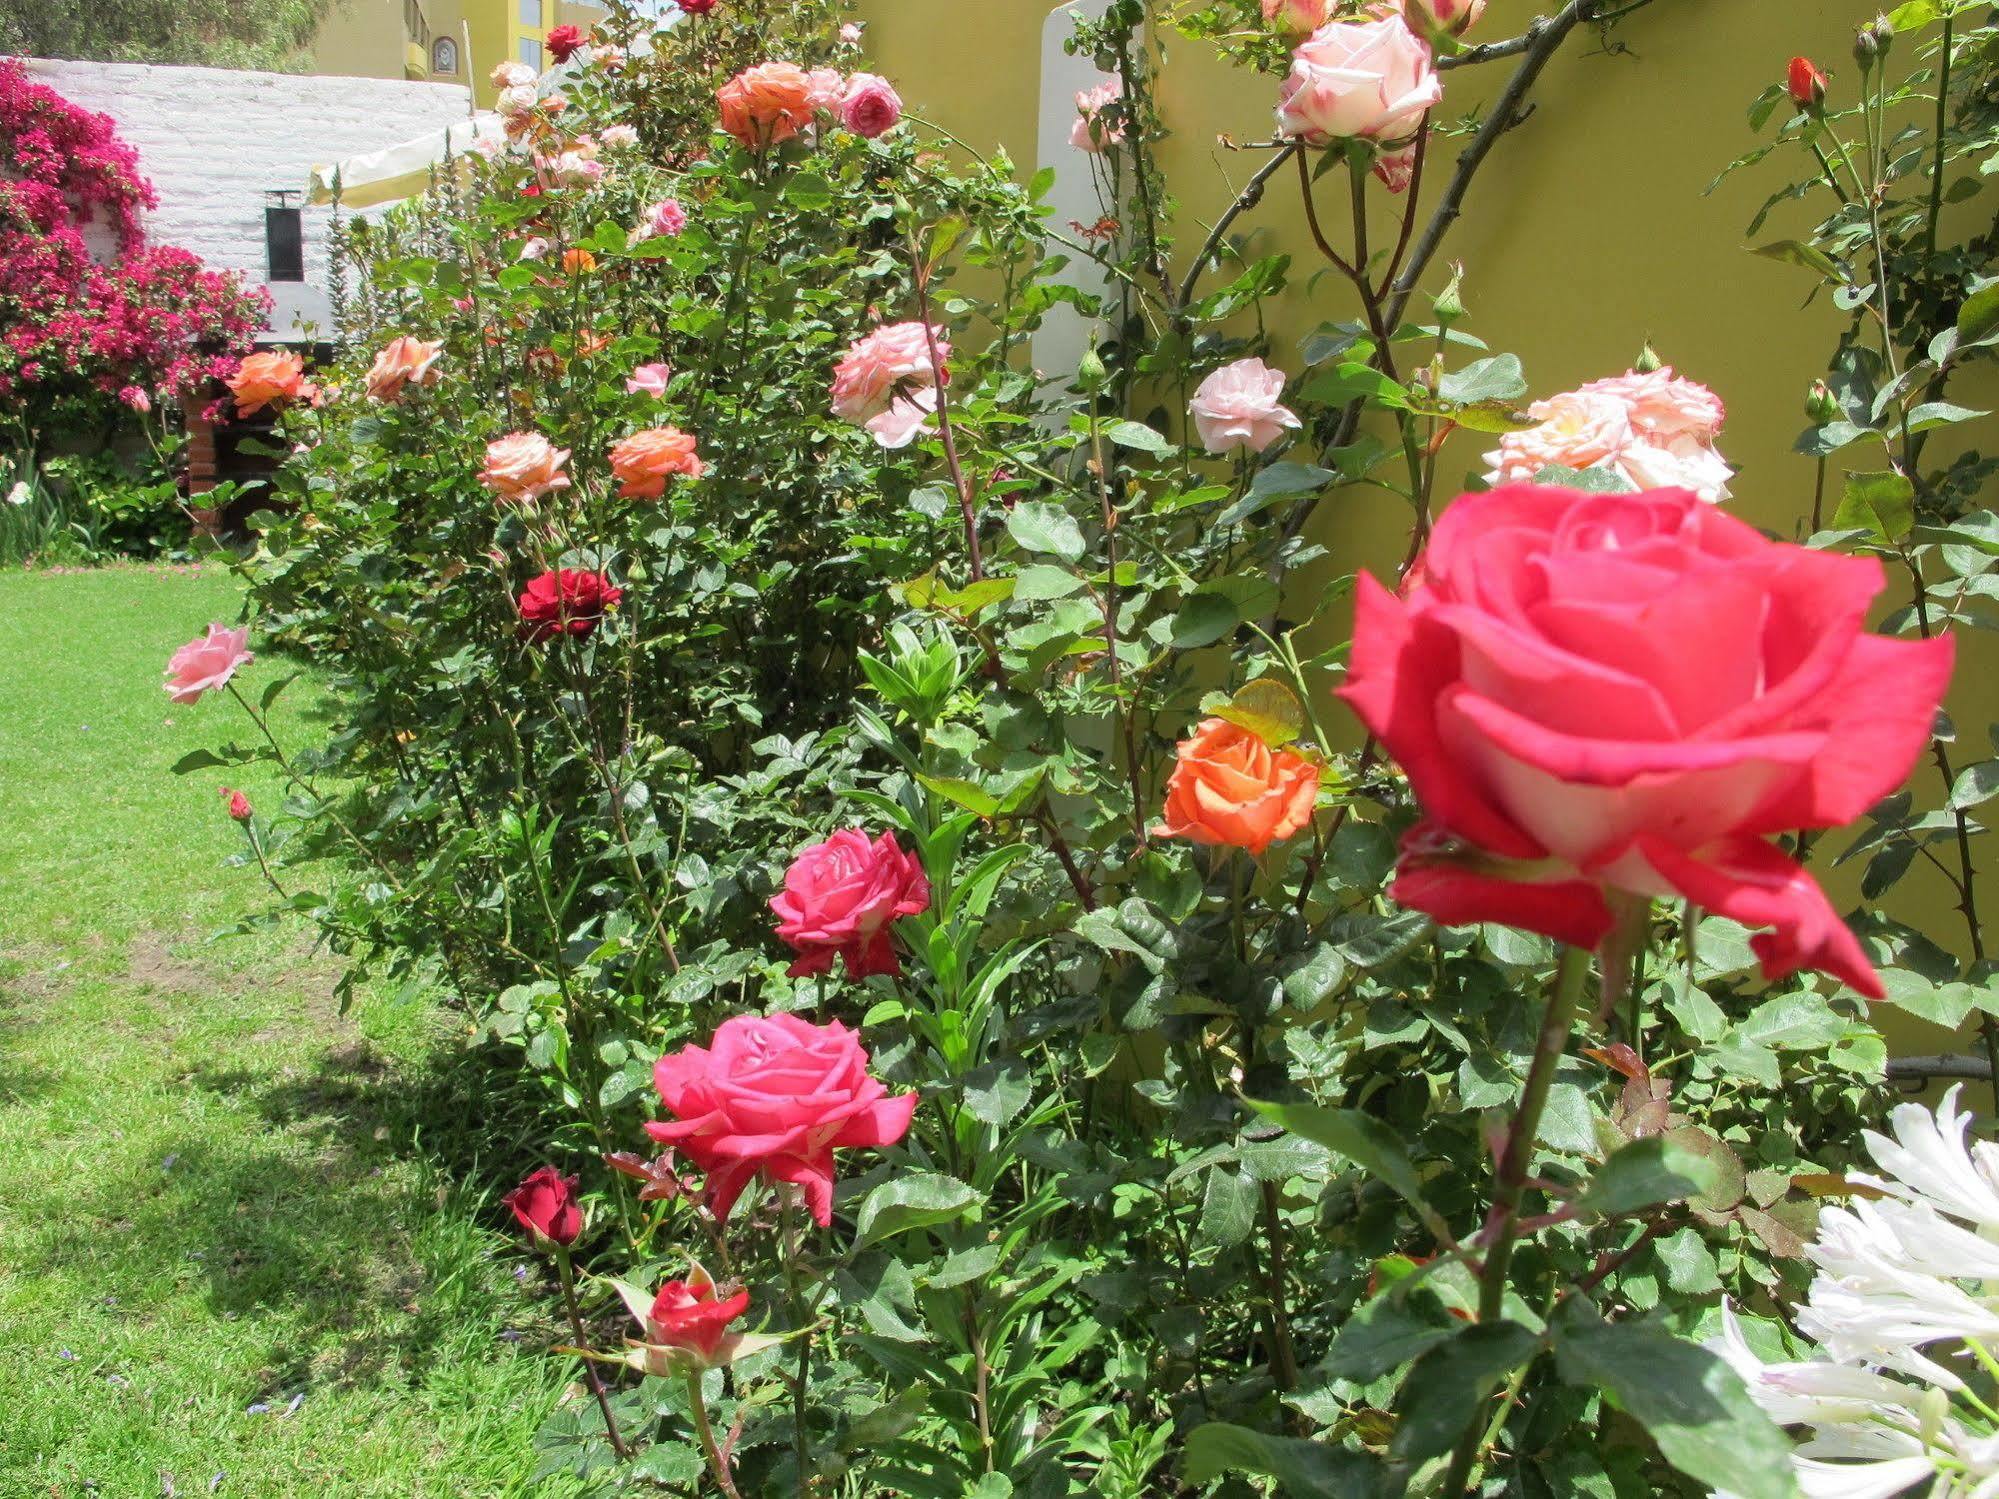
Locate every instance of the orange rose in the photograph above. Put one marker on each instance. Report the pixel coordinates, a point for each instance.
(576, 262)
(768, 103)
(643, 462)
(1232, 788)
(266, 379)
(406, 361)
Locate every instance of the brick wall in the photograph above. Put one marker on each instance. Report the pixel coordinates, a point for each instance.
(213, 140)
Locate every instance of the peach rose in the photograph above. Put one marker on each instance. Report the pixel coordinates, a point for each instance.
(512, 75)
(578, 262)
(643, 462)
(1656, 430)
(1237, 406)
(866, 378)
(1232, 788)
(406, 361)
(270, 379)
(767, 104)
(524, 466)
(1575, 430)
(1367, 78)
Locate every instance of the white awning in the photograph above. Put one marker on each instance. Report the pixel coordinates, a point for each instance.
(404, 169)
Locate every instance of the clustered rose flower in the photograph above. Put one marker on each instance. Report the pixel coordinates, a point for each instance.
(1238, 406)
(1091, 131)
(886, 382)
(840, 899)
(574, 168)
(545, 1205)
(774, 1098)
(571, 601)
(689, 1323)
(766, 105)
(565, 41)
(643, 462)
(1656, 430)
(510, 74)
(1229, 787)
(1624, 696)
(870, 106)
(824, 89)
(1372, 79)
(524, 466)
(406, 361)
(270, 379)
(649, 380)
(206, 664)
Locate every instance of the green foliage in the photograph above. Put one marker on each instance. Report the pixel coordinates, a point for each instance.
(271, 35)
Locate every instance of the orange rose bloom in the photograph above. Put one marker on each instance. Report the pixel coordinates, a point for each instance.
(643, 462)
(768, 103)
(576, 262)
(406, 361)
(1232, 788)
(266, 379)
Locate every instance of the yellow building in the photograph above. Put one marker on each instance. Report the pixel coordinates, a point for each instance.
(428, 40)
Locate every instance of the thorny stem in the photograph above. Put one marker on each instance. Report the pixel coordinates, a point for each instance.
(1283, 1358)
(1249, 197)
(1943, 122)
(568, 1280)
(966, 510)
(1127, 720)
(699, 1407)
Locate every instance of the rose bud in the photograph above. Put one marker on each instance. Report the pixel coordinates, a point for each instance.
(687, 1326)
(545, 1204)
(1806, 85)
(239, 804)
(1821, 405)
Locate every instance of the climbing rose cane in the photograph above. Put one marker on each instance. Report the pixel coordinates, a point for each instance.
(1228, 787)
(1623, 696)
(206, 665)
(774, 1097)
(841, 897)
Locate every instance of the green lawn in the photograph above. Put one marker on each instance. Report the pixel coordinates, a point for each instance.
(236, 1256)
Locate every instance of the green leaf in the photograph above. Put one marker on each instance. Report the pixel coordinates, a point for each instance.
(1203, 619)
(1591, 480)
(1979, 316)
(1040, 580)
(972, 797)
(1303, 1469)
(1797, 252)
(1693, 1404)
(1228, 1207)
(1914, 15)
(918, 1200)
(1267, 707)
(1647, 1172)
(1883, 503)
(1138, 435)
(200, 759)
(1039, 526)
(1361, 1138)
(1492, 416)
(1690, 1265)
(1386, 1333)
(1975, 784)
(1496, 379)
(1446, 1389)
(1941, 414)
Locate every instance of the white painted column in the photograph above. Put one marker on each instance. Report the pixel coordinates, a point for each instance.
(1064, 333)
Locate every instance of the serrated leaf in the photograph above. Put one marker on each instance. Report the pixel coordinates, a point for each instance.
(1303, 1469)
(1361, 1138)
(1386, 1333)
(1645, 1173)
(918, 1200)
(1883, 503)
(1139, 436)
(1266, 707)
(1448, 1386)
(1040, 526)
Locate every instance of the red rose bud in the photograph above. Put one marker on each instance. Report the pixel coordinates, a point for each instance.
(564, 41)
(239, 804)
(1806, 85)
(686, 1315)
(546, 1206)
(697, 7)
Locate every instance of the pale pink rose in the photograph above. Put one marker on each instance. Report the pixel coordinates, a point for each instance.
(871, 106)
(850, 34)
(1452, 17)
(1663, 405)
(665, 217)
(486, 148)
(1575, 430)
(906, 419)
(512, 75)
(1238, 406)
(1682, 463)
(869, 374)
(406, 361)
(575, 169)
(1295, 17)
(617, 137)
(1367, 78)
(207, 664)
(1396, 169)
(608, 56)
(1090, 133)
(534, 249)
(649, 380)
(517, 99)
(825, 88)
(524, 466)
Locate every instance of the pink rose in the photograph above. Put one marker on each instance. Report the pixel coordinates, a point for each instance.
(1452, 17)
(135, 398)
(512, 75)
(207, 664)
(1295, 17)
(1091, 133)
(871, 106)
(1663, 405)
(1396, 169)
(775, 1098)
(534, 249)
(850, 34)
(1627, 695)
(1657, 431)
(825, 88)
(1370, 78)
(524, 466)
(575, 169)
(906, 419)
(1238, 407)
(1575, 430)
(649, 380)
(237, 803)
(404, 362)
(665, 217)
(617, 137)
(841, 898)
(880, 365)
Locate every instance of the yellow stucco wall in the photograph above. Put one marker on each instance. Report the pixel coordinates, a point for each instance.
(369, 38)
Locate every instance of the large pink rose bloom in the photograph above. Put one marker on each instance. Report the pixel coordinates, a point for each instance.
(1238, 406)
(840, 898)
(886, 382)
(775, 1097)
(207, 664)
(1626, 695)
(1371, 78)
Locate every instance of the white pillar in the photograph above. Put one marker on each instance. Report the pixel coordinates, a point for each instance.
(1064, 333)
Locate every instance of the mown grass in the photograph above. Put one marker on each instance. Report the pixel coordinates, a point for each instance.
(236, 1254)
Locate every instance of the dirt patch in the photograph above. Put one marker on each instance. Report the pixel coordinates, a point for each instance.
(32, 972)
(151, 964)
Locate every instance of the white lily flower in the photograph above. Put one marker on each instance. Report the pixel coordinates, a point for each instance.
(1817, 1480)
(1929, 1160)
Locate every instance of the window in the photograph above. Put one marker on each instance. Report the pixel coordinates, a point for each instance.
(444, 56)
(530, 52)
(284, 237)
(531, 13)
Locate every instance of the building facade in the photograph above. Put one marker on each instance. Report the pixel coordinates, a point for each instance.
(441, 41)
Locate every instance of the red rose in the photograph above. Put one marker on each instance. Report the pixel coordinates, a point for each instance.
(841, 896)
(685, 1315)
(563, 41)
(696, 7)
(546, 1206)
(1806, 84)
(1627, 693)
(239, 804)
(774, 1098)
(570, 602)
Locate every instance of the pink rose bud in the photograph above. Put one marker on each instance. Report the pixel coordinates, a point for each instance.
(1451, 17)
(870, 107)
(238, 803)
(135, 398)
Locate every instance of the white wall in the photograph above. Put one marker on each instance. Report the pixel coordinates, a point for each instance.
(213, 140)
